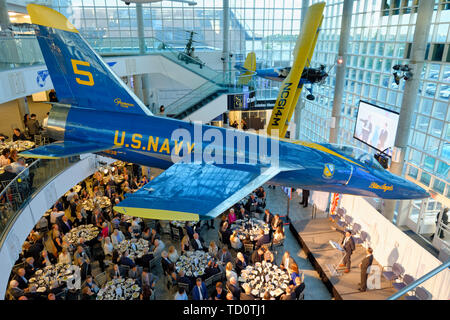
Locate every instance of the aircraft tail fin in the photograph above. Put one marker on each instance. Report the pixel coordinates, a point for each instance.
(250, 67)
(79, 75)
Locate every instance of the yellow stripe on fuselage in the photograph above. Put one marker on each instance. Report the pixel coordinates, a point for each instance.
(37, 156)
(48, 17)
(157, 214)
(319, 147)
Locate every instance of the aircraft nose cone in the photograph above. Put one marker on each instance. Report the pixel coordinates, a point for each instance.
(413, 191)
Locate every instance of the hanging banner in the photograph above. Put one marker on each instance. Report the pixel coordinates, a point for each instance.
(288, 192)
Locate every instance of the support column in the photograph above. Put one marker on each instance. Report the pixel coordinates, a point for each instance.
(225, 32)
(140, 27)
(4, 18)
(9, 48)
(145, 83)
(300, 102)
(137, 82)
(421, 31)
(23, 110)
(340, 70)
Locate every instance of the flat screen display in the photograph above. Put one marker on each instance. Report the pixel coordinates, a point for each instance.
(376, 126)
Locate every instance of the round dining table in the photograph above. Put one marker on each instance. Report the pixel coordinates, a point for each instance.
(265, 276)
(120, 289)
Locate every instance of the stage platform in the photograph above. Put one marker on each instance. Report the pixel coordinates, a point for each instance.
(314, 236)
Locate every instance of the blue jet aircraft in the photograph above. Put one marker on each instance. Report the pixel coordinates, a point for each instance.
(98, 113)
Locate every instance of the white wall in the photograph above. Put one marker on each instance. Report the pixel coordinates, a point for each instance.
(18, 233)
(209, 111)
(22, 82)
(390, 245)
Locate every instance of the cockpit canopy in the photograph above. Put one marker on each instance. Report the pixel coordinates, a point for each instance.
(358, 154)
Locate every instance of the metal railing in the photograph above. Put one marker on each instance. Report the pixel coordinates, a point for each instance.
(18, 192)
(419, 281)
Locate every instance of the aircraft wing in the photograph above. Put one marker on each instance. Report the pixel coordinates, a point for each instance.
(289, 91)
(64, 149)
(191, 192)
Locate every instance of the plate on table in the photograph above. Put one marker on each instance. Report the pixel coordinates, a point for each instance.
(258, 264)
(135, 295)
(278, 292)
(39, 272)
(255, 292)
(41, 289)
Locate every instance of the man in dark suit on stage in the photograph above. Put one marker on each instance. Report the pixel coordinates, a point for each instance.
(348, 244)
(364, 265)
(305, 197)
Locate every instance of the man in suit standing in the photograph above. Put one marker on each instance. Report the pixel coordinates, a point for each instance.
(348, 244)
(189, 230)
(200, 292)
(305, 197)
(268, 217)
(383, 137)
(364, 265)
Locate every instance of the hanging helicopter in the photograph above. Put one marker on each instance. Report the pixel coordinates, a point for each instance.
(309, 75)
(188, 55)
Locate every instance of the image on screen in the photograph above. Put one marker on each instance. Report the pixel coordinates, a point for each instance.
(376, 126)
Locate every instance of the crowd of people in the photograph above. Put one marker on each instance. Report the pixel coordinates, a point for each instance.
(47, 245)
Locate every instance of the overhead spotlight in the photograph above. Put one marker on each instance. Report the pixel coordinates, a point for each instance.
(340, 60)
(405, 73)
(407, 76)
(397, 78)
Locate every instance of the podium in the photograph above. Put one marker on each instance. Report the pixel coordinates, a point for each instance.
(333, 268)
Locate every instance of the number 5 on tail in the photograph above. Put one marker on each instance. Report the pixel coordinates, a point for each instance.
(75, 64)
